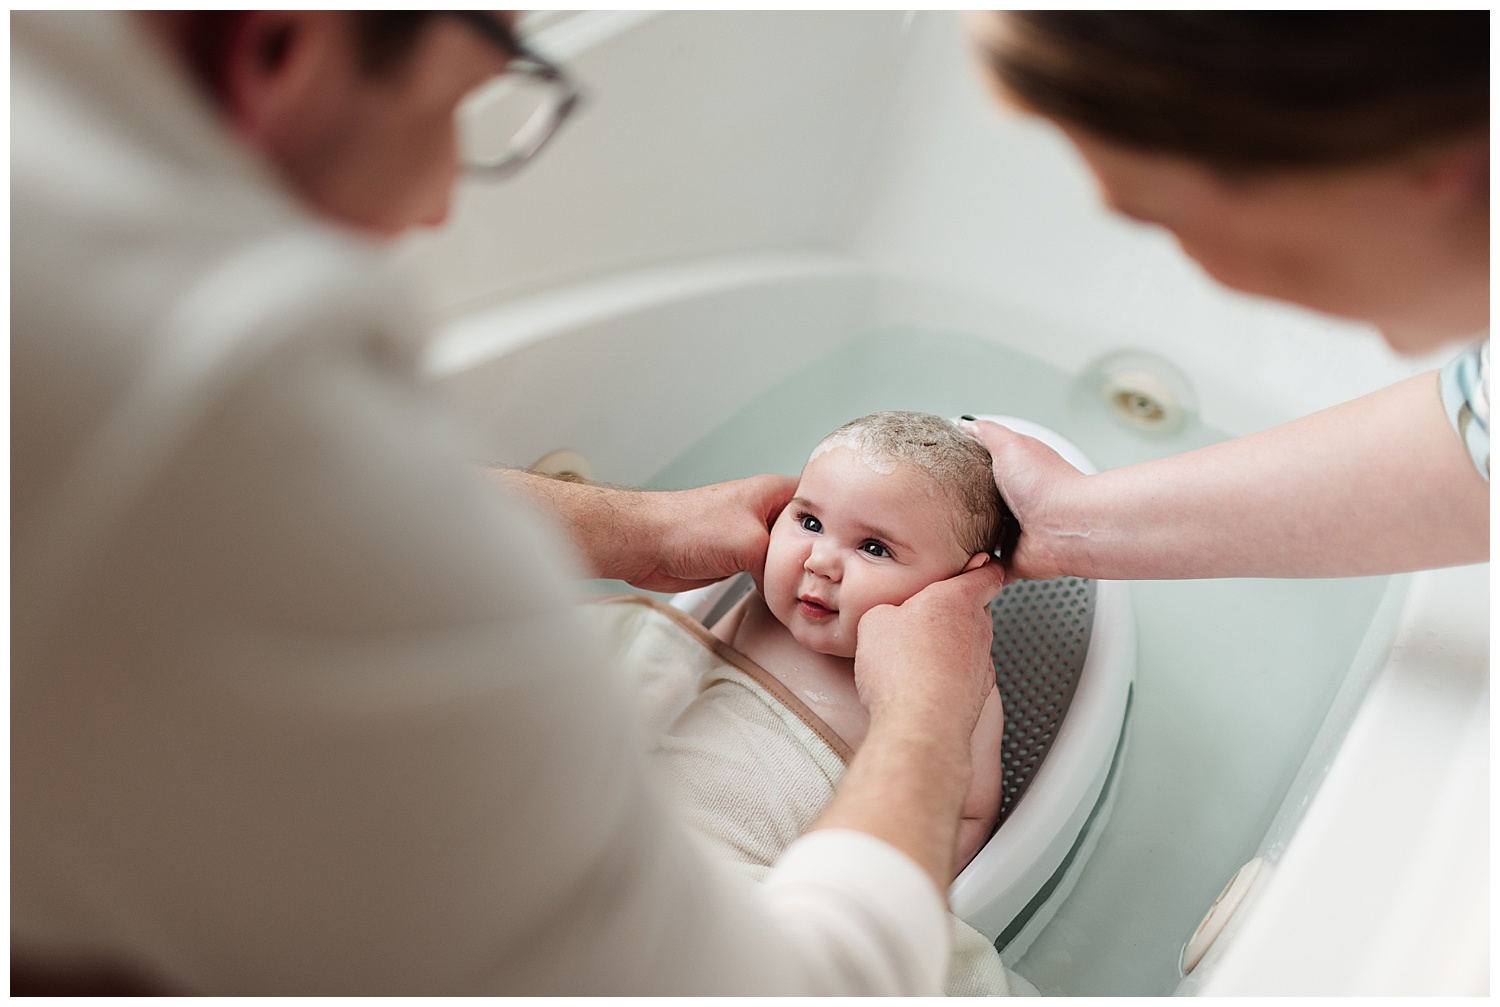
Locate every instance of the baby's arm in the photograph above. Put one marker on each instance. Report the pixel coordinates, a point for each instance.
(982, 806)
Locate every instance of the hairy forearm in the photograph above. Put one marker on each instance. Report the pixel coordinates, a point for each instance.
(667, 540)
(600, 520)
(906, 786)
(1378, 485)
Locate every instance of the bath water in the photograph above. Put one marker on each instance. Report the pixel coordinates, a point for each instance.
(1233, 677)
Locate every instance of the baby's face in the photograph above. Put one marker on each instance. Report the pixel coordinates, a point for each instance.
(851, 539)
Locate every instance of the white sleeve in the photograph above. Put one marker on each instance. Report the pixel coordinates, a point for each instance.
(326, 721)
(863, 912)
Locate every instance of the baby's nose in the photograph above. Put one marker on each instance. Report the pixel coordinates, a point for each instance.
(822, 560)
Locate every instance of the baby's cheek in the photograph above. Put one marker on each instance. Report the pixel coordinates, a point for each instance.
(851, 611)
(849, 636)
(780, 577)
(891, 589)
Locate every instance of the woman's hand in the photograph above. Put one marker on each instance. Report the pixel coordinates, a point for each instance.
(1378, 485)
(1032, 478)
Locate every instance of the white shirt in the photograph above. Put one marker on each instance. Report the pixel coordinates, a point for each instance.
(298, 703)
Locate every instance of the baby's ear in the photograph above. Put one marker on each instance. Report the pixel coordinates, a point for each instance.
(976, 561)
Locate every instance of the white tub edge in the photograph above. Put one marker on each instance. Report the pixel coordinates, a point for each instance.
(1383, 888)
(487, 333)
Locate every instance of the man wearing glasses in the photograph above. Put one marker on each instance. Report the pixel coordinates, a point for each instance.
(300, 704)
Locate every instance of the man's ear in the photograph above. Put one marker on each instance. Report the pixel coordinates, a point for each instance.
(278, 65)
(1459, 171)
(976, 561)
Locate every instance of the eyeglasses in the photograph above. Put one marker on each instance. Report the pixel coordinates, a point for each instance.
(505, 124)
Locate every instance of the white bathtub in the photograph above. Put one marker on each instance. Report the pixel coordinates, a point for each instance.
(747, 191)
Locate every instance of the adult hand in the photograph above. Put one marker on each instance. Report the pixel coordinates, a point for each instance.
(923, 670)
(664, 541)
(704, 535)
(1032, 479)
(928, 659)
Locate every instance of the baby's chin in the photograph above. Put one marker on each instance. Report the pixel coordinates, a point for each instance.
(820, 644)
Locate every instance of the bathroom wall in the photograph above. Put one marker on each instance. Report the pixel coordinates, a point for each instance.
(702, 133)
(867, 133)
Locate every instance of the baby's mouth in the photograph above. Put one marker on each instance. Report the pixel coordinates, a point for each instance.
(814, 609)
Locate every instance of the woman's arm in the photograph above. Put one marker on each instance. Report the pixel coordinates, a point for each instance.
(1381, 484)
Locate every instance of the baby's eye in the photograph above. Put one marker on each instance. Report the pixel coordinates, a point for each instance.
(810, 523)
(875, 549)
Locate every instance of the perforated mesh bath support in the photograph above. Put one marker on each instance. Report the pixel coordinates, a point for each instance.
(1042, 633)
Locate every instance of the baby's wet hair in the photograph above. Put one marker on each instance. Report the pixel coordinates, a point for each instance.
(957, 463)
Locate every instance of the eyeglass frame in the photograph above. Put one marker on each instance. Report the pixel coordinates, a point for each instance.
(544, 122)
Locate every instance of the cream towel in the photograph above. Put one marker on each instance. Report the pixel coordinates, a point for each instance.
(751, 766)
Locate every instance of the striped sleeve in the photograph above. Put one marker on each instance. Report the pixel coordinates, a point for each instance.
(1465, 385)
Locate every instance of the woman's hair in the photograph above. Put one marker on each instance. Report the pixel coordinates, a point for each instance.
(1251, 90)
(958, 465)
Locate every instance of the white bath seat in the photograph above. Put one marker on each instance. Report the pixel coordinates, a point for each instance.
(1065, 661)
(1047, 632)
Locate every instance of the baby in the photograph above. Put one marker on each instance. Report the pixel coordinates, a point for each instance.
(886, 505)
(752, 722)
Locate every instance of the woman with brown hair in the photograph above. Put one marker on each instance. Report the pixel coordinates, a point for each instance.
(1335, 160)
